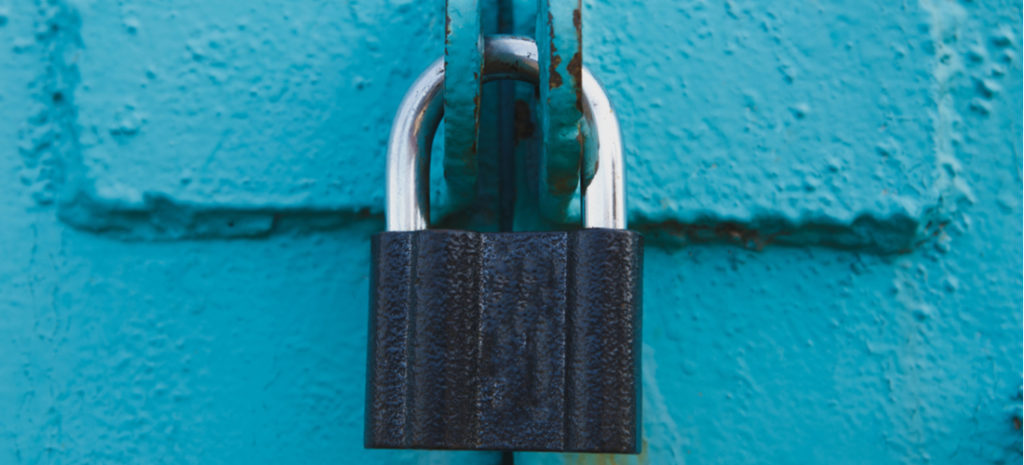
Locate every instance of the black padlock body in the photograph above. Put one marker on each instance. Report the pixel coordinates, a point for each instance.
(505, 341)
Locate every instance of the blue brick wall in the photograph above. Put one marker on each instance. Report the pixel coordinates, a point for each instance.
(832, 193)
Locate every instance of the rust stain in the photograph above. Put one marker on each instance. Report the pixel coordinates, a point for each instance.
(729, 232)
(575, 66)
(1016, 423)
(554, 79)
(561, 184)
(447, 29)
(523, 123)
(476, 121)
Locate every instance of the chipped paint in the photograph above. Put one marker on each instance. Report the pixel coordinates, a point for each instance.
(559, 29)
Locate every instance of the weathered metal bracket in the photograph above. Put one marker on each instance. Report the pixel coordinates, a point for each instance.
(560, 43)
(559, 39)
(463, 63)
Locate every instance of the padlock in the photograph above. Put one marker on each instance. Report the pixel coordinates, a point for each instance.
(503, 340)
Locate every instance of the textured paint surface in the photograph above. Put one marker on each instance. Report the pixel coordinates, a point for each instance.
(834, 190)
(834, 123)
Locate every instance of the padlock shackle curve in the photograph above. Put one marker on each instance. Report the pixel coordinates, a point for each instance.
(420, 113)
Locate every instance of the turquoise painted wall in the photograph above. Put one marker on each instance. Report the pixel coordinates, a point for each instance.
(831, 192)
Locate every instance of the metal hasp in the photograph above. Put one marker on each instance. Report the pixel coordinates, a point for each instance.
(463, 62)
(503, 341)
(560, 109)
(408, 192)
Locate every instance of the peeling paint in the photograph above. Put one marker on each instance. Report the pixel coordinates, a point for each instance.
(560, 107)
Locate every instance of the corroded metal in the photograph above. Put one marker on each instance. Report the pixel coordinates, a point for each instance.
(463, 62)
(408, 201)
(560, 43)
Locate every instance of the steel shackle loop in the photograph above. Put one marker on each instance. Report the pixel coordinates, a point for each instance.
(420, 113)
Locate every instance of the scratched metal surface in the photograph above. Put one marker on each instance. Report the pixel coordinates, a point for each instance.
(191, 188)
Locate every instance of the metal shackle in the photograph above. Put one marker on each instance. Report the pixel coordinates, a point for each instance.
(505, 57)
